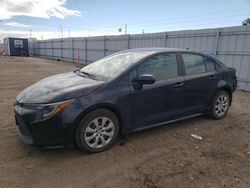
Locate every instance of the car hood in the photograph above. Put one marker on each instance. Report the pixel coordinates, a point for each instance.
(58, 88)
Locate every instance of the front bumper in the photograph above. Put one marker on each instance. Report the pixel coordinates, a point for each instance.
(57, 131)
(23, 131)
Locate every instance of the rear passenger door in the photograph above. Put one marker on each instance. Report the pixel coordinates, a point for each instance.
(212, 77)
(198, 83)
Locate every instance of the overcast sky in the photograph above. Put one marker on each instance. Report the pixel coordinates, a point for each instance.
(45, 18)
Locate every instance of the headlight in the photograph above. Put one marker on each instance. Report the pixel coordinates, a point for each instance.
(48, 110)
(53, 109)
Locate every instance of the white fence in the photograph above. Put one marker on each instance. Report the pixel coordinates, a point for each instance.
(231, 45)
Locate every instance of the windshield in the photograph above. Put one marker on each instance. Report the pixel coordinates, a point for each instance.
(113, 65)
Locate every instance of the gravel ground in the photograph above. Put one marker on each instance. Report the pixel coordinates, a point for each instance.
(166, 156)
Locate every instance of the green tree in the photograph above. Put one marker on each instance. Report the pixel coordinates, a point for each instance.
(246, 22)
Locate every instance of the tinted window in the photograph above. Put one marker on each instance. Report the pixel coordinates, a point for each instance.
(194, 64)
(160, 66)
(210, 65)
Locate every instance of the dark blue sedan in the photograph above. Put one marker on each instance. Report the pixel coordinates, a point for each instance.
(125, 92)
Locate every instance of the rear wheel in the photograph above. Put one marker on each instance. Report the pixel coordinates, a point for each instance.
(220, 105)
(97, 131)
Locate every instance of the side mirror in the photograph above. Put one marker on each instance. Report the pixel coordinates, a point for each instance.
(145, 79)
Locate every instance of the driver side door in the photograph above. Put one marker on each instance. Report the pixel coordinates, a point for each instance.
(161, 101)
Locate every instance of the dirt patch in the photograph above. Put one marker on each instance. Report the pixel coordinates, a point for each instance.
(166, 156)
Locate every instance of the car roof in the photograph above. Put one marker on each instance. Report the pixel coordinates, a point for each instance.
(158, 50)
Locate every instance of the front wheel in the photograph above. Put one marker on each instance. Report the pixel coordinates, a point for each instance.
(97, 131)
(220, 105)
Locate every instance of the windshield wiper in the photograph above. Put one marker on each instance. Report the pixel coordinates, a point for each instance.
(89, 75)
(86, 74)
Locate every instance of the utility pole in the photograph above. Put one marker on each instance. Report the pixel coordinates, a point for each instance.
(30, 33)
(69, 33)
(62, 30)
(59, 31)
(125, 29)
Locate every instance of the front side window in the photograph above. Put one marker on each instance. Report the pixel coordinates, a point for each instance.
(193, 64)
(163, 66)
(113, 65)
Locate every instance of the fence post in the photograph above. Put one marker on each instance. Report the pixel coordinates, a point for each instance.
(52, 49)
(128, 41)
(61, 49)
(34, 48)
(104, 46)
(86, 52)
(73, 51)
(217, 43)
(166, 38)
(45, 48)
(37, 49)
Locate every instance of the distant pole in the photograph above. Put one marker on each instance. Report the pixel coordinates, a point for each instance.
(125, 29)
(59, 32)
(30, 33)
(69, 33)
(142, 31)
(42, 37)
(62, 30)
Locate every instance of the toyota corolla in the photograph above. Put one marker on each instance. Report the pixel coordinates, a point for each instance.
(125, 92)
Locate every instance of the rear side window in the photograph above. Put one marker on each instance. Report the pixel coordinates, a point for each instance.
(210, 65)
(193, 64)
(163, 66)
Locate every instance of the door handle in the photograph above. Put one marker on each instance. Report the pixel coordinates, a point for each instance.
(179, 84)
(212, 77)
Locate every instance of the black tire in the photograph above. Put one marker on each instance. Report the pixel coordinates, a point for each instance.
(212, 111)
(80, 134)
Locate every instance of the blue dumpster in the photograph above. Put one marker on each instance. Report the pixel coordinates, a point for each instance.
(17, 46)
